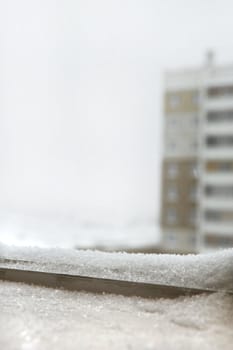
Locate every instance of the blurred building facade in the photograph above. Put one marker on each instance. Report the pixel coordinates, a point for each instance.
(197, 172)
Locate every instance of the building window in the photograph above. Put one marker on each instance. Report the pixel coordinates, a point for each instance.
(218, 241)
(193, 195)
(171, 239)
(219, 141)
(193, 216)
(219, 216)
(196, 98)
(171, 216)
(213, 215)
(220, 116)
(194, 170)
(219, 191)
(171, 145)
(172, 193)
(219, 166)
(194, 145)
(174, 101)
(220, 91)
(194, 121)
(172, 122)
(191, 239)
(172, 170)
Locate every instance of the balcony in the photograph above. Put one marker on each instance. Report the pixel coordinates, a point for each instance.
(217, 228)
(219, 103)
(218, 128)
(213, 153)
(217, 203)
(217, 178)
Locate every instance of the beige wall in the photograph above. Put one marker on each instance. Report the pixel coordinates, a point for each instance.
(185, 203)
(187, 101)
(185, 240)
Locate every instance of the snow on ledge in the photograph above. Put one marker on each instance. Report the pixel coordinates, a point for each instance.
(212, 270)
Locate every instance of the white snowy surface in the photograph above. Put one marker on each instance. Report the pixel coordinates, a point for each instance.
(34, 317)
(211, 270)
(38, 318)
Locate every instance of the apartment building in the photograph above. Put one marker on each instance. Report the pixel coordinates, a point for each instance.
(197, 171)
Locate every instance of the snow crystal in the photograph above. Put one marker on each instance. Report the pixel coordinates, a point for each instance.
(212, 270)
(41, 318)
(36, 318)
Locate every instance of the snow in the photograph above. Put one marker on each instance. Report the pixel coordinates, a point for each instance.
(42, 318)
(211, 270)
(35, 317)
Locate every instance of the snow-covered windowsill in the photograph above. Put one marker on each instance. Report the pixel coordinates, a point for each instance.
(41, 318)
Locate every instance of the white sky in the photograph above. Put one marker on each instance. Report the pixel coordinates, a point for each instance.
(80, 98)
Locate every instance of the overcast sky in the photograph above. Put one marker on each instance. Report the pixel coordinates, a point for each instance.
(80, 98)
